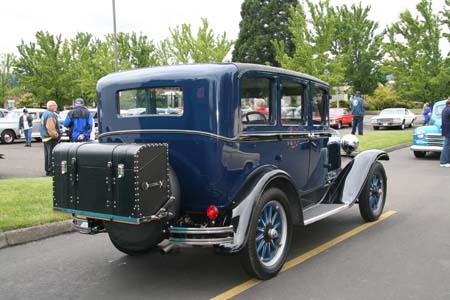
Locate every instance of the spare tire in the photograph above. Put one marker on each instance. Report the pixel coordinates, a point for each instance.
(139, 239)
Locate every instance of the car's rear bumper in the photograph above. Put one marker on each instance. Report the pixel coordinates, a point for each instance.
(426, 148)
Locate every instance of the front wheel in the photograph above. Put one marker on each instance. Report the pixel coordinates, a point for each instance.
(373, 195)
(269, 236)
(8, 136)
(402, 127)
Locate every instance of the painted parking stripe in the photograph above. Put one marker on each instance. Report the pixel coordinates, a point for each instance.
(298, 260)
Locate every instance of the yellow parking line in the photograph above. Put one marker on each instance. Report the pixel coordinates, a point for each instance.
(298, 260)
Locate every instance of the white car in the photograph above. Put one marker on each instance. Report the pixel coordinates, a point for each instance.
(9, 125)
(394, 117)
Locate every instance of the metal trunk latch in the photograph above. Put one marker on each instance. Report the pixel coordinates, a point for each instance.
(120, 170)
(63, 167)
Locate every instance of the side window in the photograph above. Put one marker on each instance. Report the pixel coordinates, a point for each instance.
(256, 100)
(156, 101)
(319, 97)
(292, 103)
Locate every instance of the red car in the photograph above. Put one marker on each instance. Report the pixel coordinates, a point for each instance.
(340, 117)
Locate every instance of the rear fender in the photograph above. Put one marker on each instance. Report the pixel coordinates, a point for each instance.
(243, 210)
(357, 175)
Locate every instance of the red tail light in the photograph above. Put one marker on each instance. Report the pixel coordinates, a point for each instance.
(212, 212)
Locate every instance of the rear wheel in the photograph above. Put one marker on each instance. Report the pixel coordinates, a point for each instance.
(373, 195)
(8, 136)
(269, 236)
(419, 154)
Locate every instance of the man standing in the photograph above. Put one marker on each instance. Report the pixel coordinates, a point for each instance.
(80, 122)
(445, 154)
(358, 111)
(26, 124)
(50, 134)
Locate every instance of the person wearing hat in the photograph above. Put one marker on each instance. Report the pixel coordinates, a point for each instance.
(80, 122)
(426, 114)
(26, 124)
(357, 105)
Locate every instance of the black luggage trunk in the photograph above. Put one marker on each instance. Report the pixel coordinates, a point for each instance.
(124, 182)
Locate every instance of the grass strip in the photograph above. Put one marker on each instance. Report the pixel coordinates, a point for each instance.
(26, 202)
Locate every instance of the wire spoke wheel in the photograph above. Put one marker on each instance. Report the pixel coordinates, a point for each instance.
(373, 195)
(269, 235)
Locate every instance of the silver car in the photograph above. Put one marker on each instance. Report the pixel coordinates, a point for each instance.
(9, 125)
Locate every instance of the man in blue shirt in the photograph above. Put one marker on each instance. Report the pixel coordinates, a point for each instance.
(445, 154)
(357, 105)
(80, 122)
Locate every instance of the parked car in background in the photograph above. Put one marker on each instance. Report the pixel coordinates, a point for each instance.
(394, 117)
(3, 112)
(340, 117)
(9, 125)
(429, 138)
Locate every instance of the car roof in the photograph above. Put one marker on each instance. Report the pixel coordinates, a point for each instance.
(193, 70)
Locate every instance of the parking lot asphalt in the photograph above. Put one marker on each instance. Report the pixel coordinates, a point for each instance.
(22, 162)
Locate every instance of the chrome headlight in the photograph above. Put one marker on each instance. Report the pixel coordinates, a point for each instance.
(374, 120)
(349, 143)
(332, 121)
(397, 120)
(420, 134)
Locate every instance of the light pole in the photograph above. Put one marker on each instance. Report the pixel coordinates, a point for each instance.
(115, 34)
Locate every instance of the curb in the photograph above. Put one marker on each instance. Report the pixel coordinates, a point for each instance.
(25, 235)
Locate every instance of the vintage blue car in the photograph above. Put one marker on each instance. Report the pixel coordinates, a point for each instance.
(429, 138)
(202, 155)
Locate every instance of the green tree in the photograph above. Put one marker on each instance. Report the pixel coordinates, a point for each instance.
(44, 68)
(414, 57)
(312, 36)
(183, 47)
(383, 97)
(262, 22)
(6, 74)
(28, 100)
(359, 47)
(336, 44)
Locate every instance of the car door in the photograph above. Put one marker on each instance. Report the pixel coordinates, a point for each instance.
(319, 134)
(36, 123)
(259, 135)
(295, 146)
(347, 117)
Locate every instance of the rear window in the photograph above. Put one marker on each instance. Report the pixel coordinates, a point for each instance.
(155, 101)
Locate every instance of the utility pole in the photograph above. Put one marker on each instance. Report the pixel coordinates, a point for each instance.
(115, 35)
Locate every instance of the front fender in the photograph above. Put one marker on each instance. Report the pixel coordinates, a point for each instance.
(241, 214)
(357, 176)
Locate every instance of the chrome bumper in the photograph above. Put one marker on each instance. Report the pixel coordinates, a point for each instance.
(83, 225)
(208, 236)
(426, 148)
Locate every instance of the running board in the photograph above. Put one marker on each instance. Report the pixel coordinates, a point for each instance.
(321, 211)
